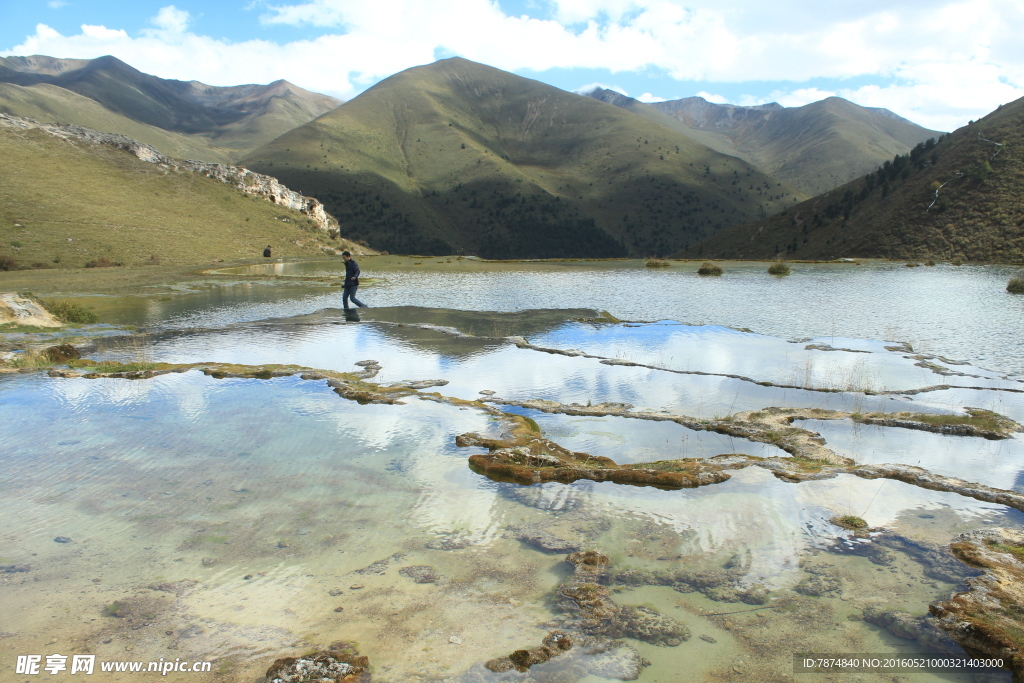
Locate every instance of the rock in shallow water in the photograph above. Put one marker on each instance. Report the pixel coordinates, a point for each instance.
(321, 667)
(986, 620)
(62, 353)
(540, 538)
(420, 573)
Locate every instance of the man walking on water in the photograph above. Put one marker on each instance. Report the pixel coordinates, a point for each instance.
(351, 281)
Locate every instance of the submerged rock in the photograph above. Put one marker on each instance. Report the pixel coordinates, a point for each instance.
(646, 624)
(570, 658)
(179, 588)
(904, 625)
(321, 667)
(541, 538)
(722, 584)
(448, 543)
(599, 615)
(986, 620)
(818, 584)
(613, 659)
(380, 566)
(554, 644)
(420, 573)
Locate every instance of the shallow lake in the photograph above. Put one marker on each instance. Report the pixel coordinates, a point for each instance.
(242, 520)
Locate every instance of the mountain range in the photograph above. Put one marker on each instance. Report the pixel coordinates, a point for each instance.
(181, 118)
(960, 197)
(815, 147)
(459, 157)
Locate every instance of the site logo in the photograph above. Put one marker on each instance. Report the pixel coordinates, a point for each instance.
(86, 664)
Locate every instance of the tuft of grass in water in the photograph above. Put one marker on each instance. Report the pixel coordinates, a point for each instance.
(981, 419)
(31, 359)
(70, 312)
(112, 365)
(1016, 284)
(708, 268)
(114, 609)
(913, 265)
(657, 263)
(929, 262)
(851, 522)
(807, 464)
(779, 268)
(957, 262)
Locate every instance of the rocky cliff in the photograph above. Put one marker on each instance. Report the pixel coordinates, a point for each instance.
(247, 181)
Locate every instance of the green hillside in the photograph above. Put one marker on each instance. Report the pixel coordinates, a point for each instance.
(816, 147)
(65, 204)
(51, 104)
(457, 156)
(212, 123)
(960, 198)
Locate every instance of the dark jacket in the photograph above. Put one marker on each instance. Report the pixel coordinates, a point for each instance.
(351, 273)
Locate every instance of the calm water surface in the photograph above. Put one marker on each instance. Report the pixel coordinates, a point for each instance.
(242, 520)
(959, 312)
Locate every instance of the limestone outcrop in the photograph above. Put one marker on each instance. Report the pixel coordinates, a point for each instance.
(23, 311)
(247, 181)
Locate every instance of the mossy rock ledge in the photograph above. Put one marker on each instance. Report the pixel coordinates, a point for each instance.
(986, 619)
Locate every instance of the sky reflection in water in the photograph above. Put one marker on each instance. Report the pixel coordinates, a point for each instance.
(284, 480)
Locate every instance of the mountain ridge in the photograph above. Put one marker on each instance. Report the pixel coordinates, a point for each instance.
(229, 120)
(815, 147)
(459, 155)
(958, 197)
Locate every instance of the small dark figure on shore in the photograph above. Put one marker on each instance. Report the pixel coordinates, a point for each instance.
(351, 281)
(266, 252)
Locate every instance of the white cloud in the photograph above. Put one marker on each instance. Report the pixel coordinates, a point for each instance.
(938, 62)
(710, 97)
(584, 89)
(56, 4)
(171, 19)
(648, 97)
(102, 33)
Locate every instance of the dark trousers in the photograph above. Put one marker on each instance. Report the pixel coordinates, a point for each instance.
(350, 293)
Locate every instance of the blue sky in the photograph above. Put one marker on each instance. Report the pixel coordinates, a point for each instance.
(937, 62)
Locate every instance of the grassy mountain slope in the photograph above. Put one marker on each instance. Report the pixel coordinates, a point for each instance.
(460, 156)
(816, 147)
(961, 198)
(64, 204)
(239, 118)
(52, 104)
